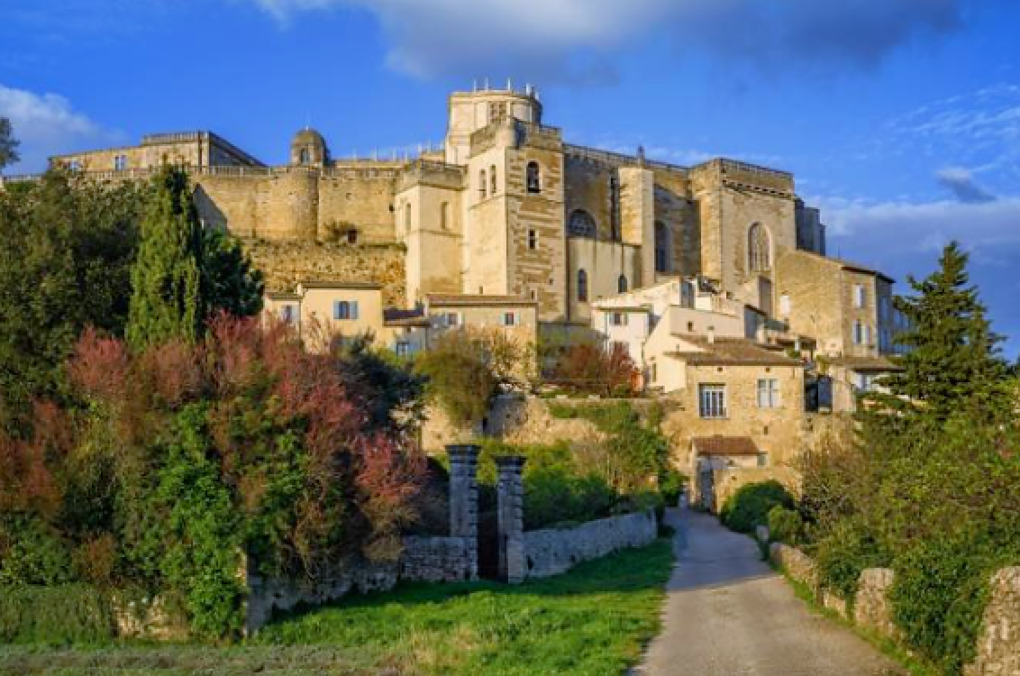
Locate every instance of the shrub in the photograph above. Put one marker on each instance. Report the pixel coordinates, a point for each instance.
(62, 614)
(671, 484)
(749, 507)
(843, 553)
(785, 525)
(594, 369)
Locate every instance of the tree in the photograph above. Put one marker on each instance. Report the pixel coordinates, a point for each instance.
(8, 144)
(185, 274)
(952, 354)
(65, 261)
(459, 377)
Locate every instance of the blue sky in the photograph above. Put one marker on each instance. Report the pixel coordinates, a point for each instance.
(901, 118)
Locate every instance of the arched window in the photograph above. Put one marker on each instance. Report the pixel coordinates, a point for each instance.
(492, 179)
(534, 181)
(661, 247)
(305, 156)
(581, 224)
(582, 286)
(444, 215)
(481, 184)
(759, 256)
(621, 284)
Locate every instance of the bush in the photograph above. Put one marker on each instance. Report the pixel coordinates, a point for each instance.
(843, 553)
(785, 525)
(671, 484)
(62, 614)
(592, 369)
(749, 507)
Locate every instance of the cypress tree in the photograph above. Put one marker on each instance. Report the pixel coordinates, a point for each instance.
(166, 300)
(952, 356)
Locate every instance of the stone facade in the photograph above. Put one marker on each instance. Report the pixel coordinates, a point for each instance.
(554, 551)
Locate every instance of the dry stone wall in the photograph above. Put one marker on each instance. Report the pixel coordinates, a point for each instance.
(998, 649)
(554, 551)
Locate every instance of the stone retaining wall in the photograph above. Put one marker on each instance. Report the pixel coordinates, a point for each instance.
(437, 559)
(998, 644)
(553, 551)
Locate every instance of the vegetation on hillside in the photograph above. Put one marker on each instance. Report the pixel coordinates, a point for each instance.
(930, 486)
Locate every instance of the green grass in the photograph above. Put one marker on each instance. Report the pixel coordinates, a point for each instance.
(592, 621)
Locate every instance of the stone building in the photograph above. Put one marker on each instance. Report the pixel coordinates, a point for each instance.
(506, 208)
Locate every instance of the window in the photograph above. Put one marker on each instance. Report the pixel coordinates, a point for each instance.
(763, 460)
(532, 239)
(509, 319)
(582, 286)
(534, 178)
(768, 393)
(305, 156)
(402, 348)
(452, 319)
(444, 215)
(621, 284)
(784, 304)
(352, 236)
(74, 165)
(407, 218)
(712, 401)
(858, 333)
(864, 382)
(581, 224)
(481, 184)
(661, 247)
(120, 163)
(345, 310)
(859, 295)
(492, 180)
(759, 257)
(287, 314)
(618, 319)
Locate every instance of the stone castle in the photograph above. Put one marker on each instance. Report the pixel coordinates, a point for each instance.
(507, 207)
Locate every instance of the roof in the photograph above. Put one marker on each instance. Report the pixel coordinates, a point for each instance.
(847, 265)
(864, 363)
(368, 286)
(309, 135)
(470, 300)
(732, 352)
(282, 295)
(623, 308)
(398, 317)
(720, 445)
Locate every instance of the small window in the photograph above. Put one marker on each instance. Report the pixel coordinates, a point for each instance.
(621, 284)
(452, 319)
(858, 333)
(509, 319)
(618, 319)
(532, 239)
(763, 460)
(712, 401)
(407, 217)
(402, 348)
(120, 163)
(768, 393)
(759, 248)
(305, 156)
(492, 180)
(534, 178)
(352, 236)
(860, 295)
(482, 185)
(345, 310)
(582, 286)
(444, 215)
(287, 314)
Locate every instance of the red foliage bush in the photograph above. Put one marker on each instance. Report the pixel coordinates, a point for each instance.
(588, 367)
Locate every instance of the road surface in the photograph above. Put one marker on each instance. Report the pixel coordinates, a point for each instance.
(729, 614)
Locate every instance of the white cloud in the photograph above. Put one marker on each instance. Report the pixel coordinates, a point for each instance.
(573, 39)
(46, 124)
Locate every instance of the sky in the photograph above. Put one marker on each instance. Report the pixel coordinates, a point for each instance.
(899, 118)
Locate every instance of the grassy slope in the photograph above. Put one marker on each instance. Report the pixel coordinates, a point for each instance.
(592, 621)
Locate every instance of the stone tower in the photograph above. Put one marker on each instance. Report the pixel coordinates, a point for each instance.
(309, 149)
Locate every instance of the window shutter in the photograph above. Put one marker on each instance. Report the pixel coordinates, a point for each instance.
(354, 309)
(336, 309)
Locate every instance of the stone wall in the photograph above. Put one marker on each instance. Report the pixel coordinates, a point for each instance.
(554, 551)
(998, 643)
(437, 559)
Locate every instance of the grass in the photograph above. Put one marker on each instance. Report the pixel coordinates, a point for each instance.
(592, 621)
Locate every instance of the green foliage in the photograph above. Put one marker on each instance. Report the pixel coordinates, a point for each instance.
(35, 553)
(230, 282)
(671, 484)
(459, 378)
(65, 261)
(202, 556)
(389, 388)
(8, 144)
(785, 525)
(750, 505)
(845, 551)
(166, 299)
(55, 615)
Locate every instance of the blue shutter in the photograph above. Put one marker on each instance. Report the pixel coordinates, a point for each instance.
(336, 309)
(354, 309)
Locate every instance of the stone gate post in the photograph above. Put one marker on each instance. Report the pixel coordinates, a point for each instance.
(464, 499)
(510, 496)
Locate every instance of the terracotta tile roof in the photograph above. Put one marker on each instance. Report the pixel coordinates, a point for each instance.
(720, 445)
(732, 352)
(468, 300)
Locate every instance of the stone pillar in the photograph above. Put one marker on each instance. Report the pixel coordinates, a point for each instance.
(464, 500)
(510, 495)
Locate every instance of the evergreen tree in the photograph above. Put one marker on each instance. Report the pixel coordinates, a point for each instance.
(8, 144)
(229, 280)
(166, 299)
(952, 357)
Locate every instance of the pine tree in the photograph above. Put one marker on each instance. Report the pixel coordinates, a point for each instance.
(952, 357)
(229, 280)
(8, 144)
(166, 300)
